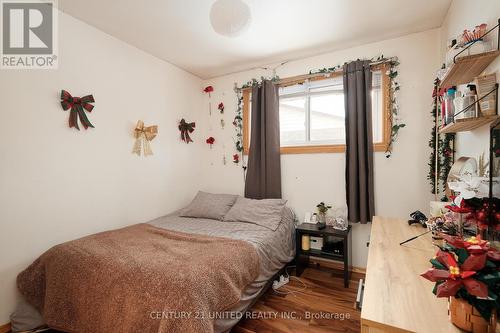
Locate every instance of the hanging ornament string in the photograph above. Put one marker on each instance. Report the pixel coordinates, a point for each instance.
(208, 90)
(185, 129)
(210, 141)
(143, 135)
(77, 106)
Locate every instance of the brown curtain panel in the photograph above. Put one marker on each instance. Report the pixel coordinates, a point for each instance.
(359, 141)
(263, 178)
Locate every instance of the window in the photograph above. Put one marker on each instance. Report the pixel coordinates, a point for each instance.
(312, 114)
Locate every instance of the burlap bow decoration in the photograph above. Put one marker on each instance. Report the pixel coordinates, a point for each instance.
(185, 129)
(143, 135)
(77, 106)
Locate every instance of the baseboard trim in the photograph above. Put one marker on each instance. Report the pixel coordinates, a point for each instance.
(5, 328)
(335, 265)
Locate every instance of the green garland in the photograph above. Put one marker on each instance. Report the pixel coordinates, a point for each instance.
(238, 121)
(394, 89)
(432, 142)
(238, 118)
(446, 152)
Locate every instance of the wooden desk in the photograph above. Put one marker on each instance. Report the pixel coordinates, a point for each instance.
(396, 298)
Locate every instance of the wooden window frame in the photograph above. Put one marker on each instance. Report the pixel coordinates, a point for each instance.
(333, 148)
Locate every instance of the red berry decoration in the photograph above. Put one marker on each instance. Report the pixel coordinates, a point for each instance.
(497, 216)
(481, 215)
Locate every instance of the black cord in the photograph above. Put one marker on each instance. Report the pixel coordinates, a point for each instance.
(410, 239)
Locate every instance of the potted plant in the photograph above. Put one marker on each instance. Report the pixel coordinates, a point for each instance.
(322, 210)
(467, 272)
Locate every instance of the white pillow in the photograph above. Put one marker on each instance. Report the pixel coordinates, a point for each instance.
(265, 212)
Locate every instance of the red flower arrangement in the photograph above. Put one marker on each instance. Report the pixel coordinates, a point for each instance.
(208, 90)
(236, 158)
(221, 107)
(210, 141)
(484, 211)
(468, 269)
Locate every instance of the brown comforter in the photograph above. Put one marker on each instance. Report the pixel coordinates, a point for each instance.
(139, 279)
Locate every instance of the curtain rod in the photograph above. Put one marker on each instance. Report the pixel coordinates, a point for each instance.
(301, 78)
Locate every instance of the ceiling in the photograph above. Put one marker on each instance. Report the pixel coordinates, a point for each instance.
(179, 31)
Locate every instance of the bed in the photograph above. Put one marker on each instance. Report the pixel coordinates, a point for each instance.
(232, 246)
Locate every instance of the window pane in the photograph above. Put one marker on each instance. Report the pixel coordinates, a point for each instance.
(313, 113)
(292, 120)
(377, 114)
(328, 118)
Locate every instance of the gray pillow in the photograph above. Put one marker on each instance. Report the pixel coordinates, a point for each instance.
(209, 205)
(265, 212)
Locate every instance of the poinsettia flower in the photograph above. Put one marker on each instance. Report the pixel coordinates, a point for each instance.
(474, 245)
(221, 107)
(459, 205)
(456, 276)
(236, 158)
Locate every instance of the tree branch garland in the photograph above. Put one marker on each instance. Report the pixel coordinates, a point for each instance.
(447, 153)
(433, 140)
(439, 165)
(238, 118)
(395, 120)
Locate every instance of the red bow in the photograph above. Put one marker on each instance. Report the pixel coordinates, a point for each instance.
(77, 104)
(185, 129)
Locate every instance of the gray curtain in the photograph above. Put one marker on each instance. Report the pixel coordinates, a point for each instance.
(359, 141)
(263, 178)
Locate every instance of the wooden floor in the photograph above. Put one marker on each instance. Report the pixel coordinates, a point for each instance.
(324, 294)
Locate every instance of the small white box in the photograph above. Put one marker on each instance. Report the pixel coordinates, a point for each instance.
(316, 243)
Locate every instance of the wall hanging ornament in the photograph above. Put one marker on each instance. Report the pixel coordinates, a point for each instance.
(210, 141)
(143, 135)
(208, 90)
(76, 105)
(185, 129)
(220, 107)
(236, 158)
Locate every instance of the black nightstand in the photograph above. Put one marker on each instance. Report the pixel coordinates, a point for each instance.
(342, 254)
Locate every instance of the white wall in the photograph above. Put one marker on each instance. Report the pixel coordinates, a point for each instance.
(58, 184)
(464, 14)
(400, 181)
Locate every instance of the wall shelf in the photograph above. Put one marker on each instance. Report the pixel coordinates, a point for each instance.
(465, 69)
(463, 125)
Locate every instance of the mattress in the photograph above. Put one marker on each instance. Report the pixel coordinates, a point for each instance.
(274, 248)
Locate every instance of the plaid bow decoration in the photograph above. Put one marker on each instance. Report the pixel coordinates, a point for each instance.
(185, 129)
(77, 104)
